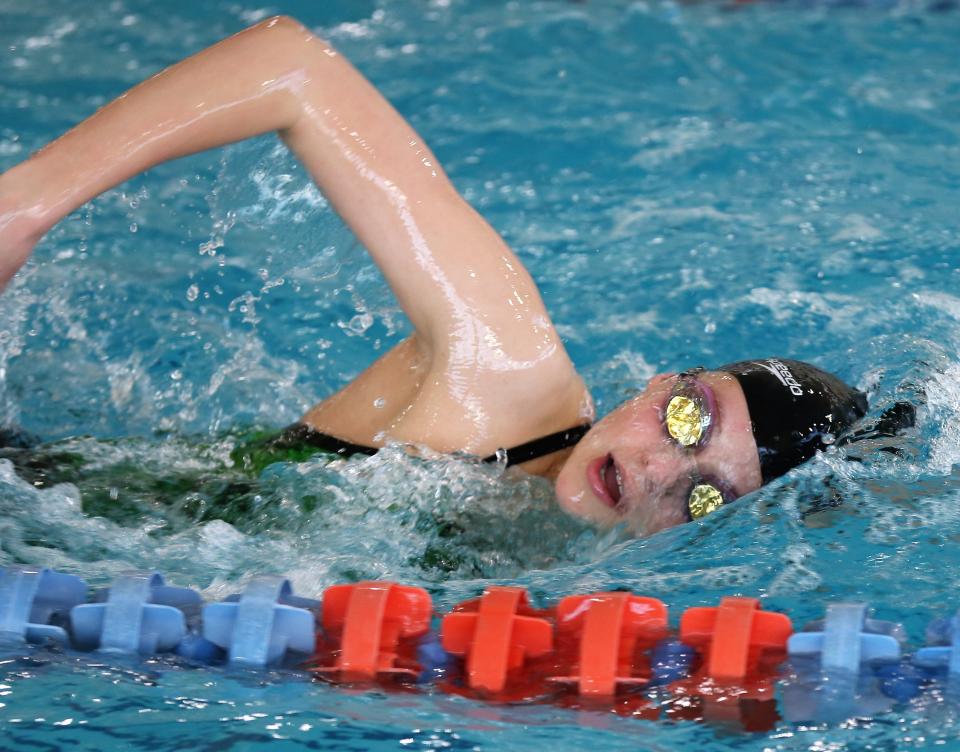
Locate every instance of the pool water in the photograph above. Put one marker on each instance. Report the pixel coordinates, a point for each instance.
(688, 184)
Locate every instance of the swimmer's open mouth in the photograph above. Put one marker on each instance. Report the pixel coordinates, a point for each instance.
(605, 480)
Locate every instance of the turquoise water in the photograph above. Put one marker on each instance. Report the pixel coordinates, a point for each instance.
(688, 184)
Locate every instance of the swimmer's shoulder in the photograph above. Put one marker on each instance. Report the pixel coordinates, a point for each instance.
(404, 396)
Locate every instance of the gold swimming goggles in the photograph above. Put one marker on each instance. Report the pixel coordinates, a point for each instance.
(687, 419)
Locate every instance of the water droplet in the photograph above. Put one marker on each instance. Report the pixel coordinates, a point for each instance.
(193, 292)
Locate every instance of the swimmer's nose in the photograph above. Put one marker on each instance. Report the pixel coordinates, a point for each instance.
(654, 503)
(657, 471)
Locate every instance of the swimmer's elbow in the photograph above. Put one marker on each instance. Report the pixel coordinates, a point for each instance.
(286, 41)
(285, 29)
(283, 24)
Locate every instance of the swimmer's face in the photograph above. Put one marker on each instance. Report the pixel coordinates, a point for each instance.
(629, 469)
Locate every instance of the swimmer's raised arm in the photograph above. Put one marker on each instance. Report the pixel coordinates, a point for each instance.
(443, 261)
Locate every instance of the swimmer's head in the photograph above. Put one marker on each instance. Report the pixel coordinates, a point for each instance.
(694, 441)
(796, 409)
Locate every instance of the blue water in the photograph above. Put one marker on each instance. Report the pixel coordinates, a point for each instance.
(687, 183)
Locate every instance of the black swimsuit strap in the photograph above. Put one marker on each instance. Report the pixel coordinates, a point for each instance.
(299, 434)
(536, 448)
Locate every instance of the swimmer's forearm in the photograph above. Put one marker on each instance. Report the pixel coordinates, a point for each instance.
(241, 87)
(223, 94)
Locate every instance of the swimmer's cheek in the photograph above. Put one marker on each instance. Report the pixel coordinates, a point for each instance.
(578, 504)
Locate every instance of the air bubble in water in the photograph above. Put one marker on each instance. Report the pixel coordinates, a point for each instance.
(359, 323)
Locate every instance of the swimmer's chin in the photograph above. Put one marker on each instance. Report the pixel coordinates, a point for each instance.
(581, 506)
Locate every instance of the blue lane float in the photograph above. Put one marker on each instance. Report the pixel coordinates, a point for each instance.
(670, 661)
(846, 639)
(943, 654)
(839, 666)
(141, 615)
(265, 627)
(31, 598)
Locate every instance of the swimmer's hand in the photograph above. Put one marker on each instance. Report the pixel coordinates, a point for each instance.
(19, 233)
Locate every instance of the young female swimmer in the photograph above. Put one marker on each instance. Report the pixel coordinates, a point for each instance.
(485, 368)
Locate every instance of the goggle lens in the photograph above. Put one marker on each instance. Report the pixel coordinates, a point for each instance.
(685, 420)
(704, 499)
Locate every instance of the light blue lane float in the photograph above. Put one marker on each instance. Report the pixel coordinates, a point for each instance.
(941, 659)
(30, 600)
(266, 624)
(141, 615)
(838, 661)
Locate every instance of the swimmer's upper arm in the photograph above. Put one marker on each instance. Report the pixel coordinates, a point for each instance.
(449, 269)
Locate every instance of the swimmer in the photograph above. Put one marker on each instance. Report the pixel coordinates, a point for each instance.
(485, 371)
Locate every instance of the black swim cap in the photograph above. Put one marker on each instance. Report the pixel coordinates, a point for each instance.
(796, 409)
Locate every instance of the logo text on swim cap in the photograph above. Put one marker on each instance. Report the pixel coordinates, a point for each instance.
(783, 375)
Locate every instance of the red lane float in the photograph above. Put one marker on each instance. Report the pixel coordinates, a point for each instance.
(496, 634)
(603, 641)
(737, 638)
(741, 646)
(371, 630)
